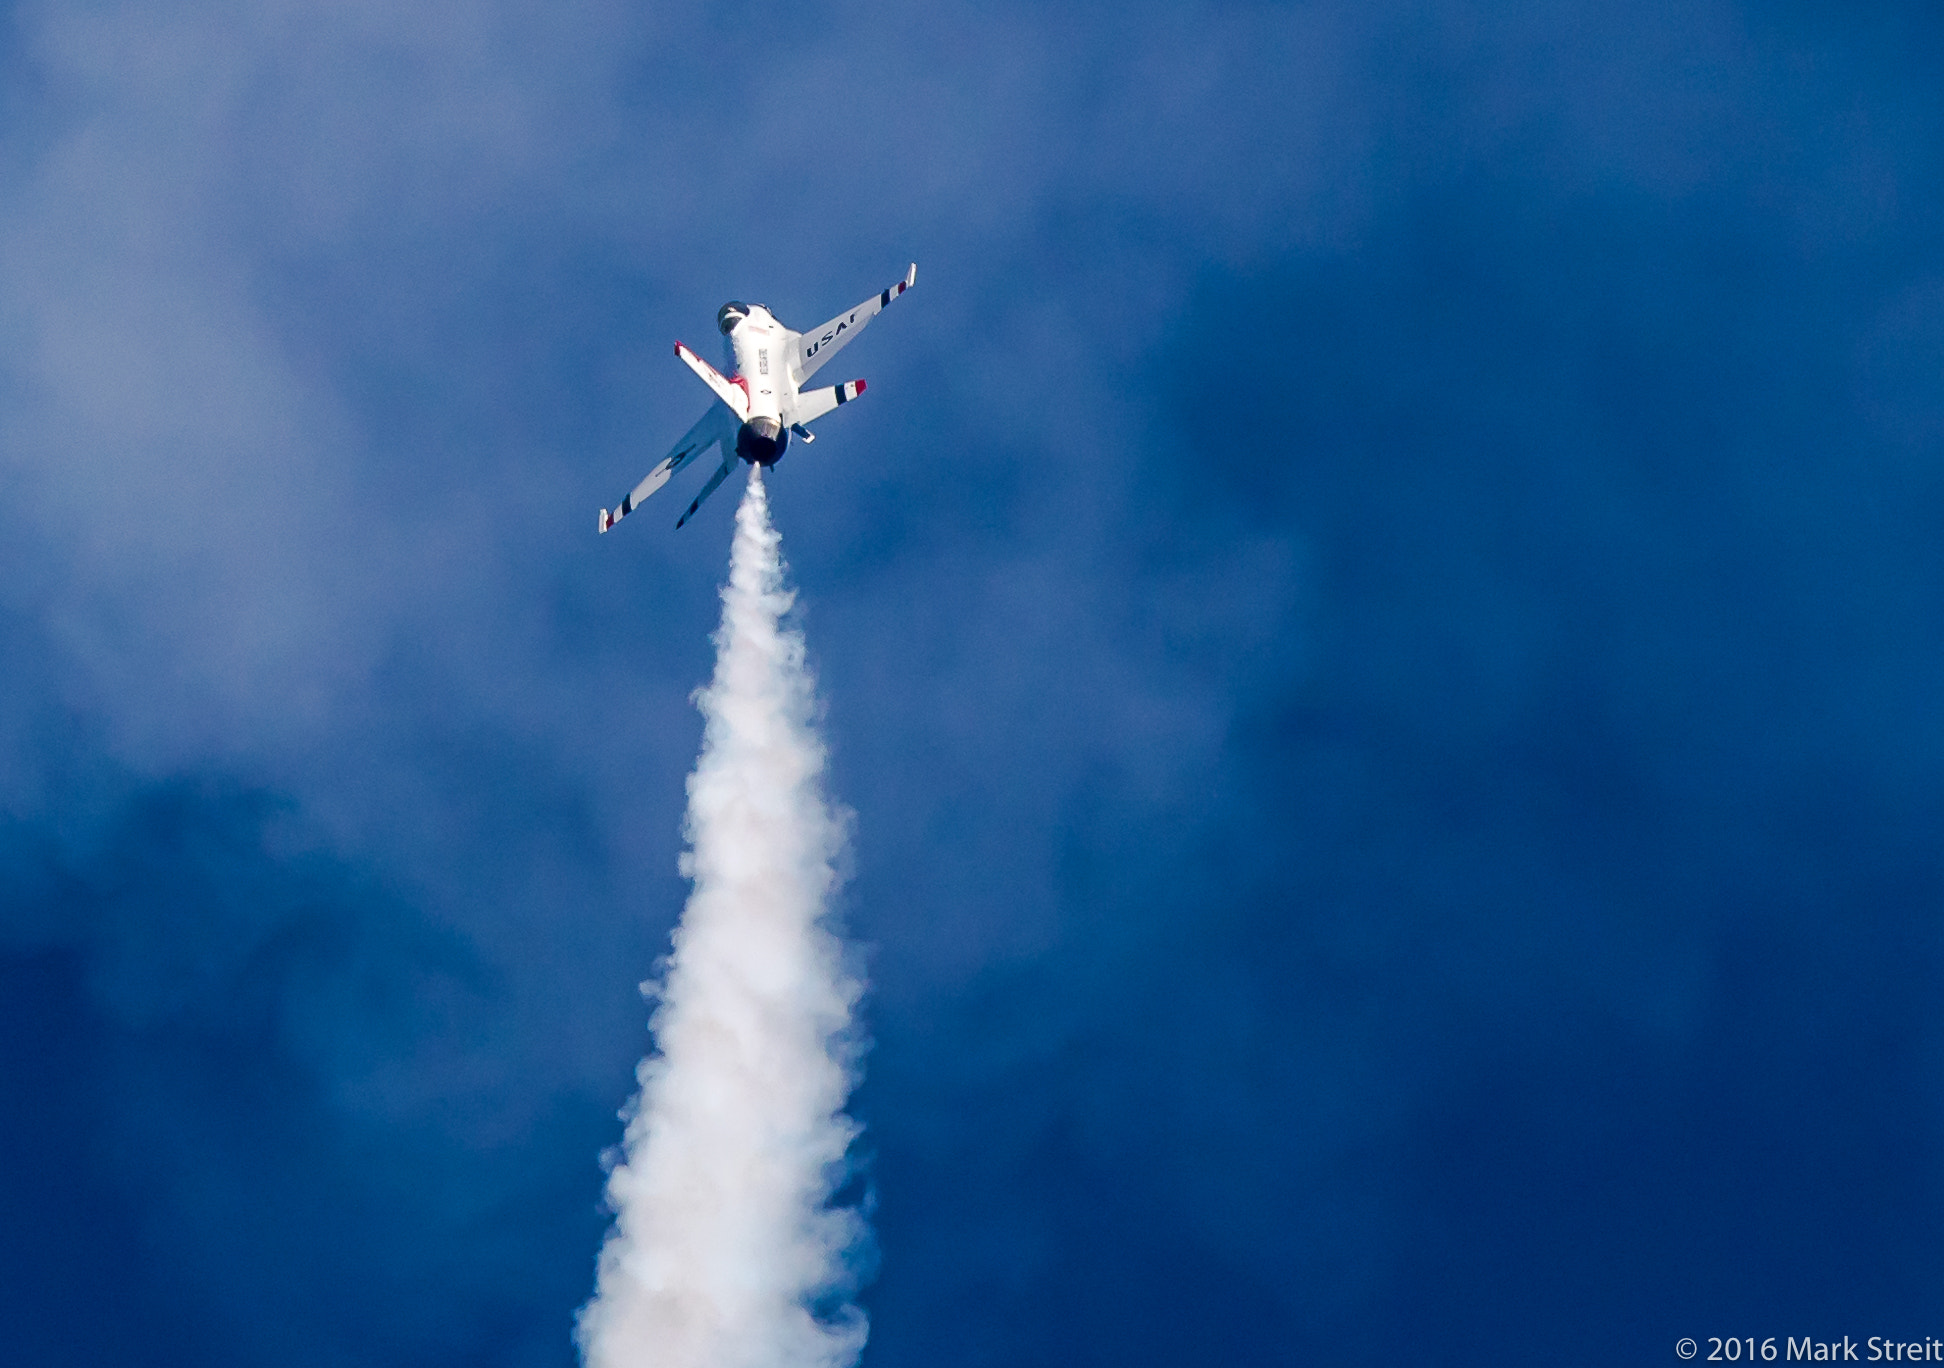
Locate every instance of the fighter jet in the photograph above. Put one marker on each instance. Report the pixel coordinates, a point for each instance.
(764, 401)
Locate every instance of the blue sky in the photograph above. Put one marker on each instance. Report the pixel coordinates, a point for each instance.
(1381, 619)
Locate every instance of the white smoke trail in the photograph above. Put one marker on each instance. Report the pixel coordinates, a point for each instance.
(722, 1242)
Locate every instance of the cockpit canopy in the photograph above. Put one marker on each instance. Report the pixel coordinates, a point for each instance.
(730, 314)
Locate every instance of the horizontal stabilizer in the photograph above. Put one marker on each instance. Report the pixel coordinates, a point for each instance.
(730, 393)
(813, 404)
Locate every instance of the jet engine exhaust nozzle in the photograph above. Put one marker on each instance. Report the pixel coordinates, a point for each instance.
(761, 441)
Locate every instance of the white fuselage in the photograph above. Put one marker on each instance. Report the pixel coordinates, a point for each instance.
(760, 351)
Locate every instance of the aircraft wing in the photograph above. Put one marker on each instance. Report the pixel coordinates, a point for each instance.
(711, 428)
(736, 397)
(820, 344)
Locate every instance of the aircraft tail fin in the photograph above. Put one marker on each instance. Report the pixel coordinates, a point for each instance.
(715, 482)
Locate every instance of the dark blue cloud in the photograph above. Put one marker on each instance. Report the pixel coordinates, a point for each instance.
(1380, 621)
(1548, 958)
(221, 1128)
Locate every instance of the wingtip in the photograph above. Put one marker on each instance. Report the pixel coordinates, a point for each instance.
(911, 276)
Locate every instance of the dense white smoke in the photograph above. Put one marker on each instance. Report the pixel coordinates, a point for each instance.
(722, 1242)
